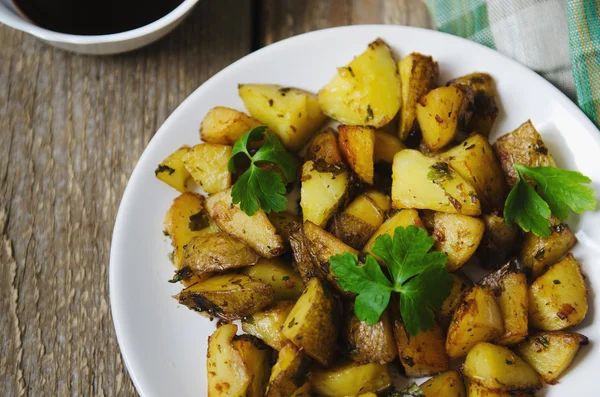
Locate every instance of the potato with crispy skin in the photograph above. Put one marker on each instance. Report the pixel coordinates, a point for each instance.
(446, 384)
(370, 343)
(290, 373)
(227, 296)
(474, 390)
(312, 325)
(422, 354)
(217, 252)
(207, 164)
(292, 114)
(366, 91)
(225, 126)
(499, 240)
(287, 284)
(257, 231)
(357, 144)
(422, 182)
(418, 75)
(351, 379)
(461, 285)
(322, 192)
(551, 353)
(228, 375)
(256, 357)
(324, 148)
(172, 171)
(268, 324)
(558, 299)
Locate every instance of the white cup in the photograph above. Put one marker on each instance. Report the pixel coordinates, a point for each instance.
(97, 44)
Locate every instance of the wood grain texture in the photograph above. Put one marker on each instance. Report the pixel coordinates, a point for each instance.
(71, 130)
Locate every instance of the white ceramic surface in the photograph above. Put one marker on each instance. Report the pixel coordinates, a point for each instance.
(98, 44)
(164, 344)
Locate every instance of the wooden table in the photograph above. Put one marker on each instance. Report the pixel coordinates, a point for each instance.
(71, 130)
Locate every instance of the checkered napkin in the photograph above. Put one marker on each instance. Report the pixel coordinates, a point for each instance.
(559, 39)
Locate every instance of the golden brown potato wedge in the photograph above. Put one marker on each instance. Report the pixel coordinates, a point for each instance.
(422, 182)
(228, 375)
(256, 357)
(324, 148)
(558, 299)
(227, 296)
(283, 223)
(366, 91)
(422, 354)
(509, 285)
(267, 324)
(446, 384)
(207, 164)
(357, 145)
(351, 379)
(322, 192)
(551, 353)
(290, 372)
(485, 108)
(477, 319)
(418, 75)
(287, 284)
(457, 236)
(525, 146)
(257, 231)
(499, 369)
(538, 253)
(217, 252)
(312, 325)
(474, 390)
(290, 113)
(386, 146)
(442, 114)
(370, 343)
(475, 162)
(402, 218)
(461, 285)
(499, 241)
(225, 126)
(172, 171)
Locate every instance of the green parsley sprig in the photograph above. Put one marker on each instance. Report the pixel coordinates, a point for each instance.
(258, 187)
(419, 276)
(559, 192)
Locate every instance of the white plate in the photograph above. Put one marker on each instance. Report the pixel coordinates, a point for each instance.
(164, 344)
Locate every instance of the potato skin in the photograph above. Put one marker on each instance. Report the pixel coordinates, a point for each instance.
(357, 145)
(256, 357)
(422, 354)
(461, 285)
(499, 241)
(324, 148)
(370, 343)
(217, 252)
(446, 384)
(474, 390)
(225, 126)
(172, 171)
(290, 372)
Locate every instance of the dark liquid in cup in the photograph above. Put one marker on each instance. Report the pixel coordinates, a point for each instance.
(86, 17)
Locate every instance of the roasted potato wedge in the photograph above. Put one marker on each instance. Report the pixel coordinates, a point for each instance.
(499, 369)
(402, 218)
(187, 218)
(525, 146)
(418, 75)
(422, 354)
(287, 284)
(485, 109)
(499, 240)
(551, 353)
(475, 162)
(256, 357)
(386, 146)
(442, 114)
(257, 231)
(322, 192)
(351, 379)
(290, 113)
(509, 285)
(446, 384)
(207, 164)
(228, 375)
(538, 253)
(217, 252)
(325, 148)
(474, 390)
(312, 325)
(357, 144)
(422, 182)
(283, 223)
(461, 285)
(370, 343)
(225, 126)
(558, 299)
(172, 171)
(290, 373)
(457, 236)
(366, 91)
(227, 296)
(268, 324)
(477, 319)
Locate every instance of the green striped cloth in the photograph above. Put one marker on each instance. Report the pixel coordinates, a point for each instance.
(558, 39)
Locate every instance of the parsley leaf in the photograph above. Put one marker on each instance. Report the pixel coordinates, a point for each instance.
(419, 276)
(525, 207)
(261, 188)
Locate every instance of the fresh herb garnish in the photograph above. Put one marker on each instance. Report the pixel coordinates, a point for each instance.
(412, 390)
(419, 276)
(262, 188)
(559, 191)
